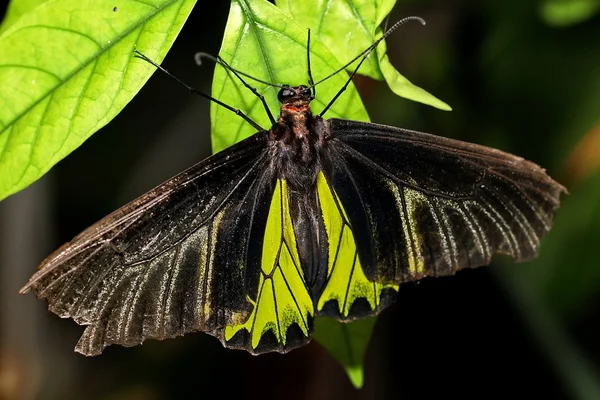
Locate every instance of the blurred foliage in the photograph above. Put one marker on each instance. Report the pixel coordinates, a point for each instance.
(567, 272)
(568, 12)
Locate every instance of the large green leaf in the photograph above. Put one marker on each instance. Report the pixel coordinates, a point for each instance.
(66, 69)
(266, 43)
(358, 22)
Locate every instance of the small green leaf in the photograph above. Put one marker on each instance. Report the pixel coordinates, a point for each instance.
(349, 27)
(347, 343)
(403, 88)
(266, 43)
(568, 12)
(66, 69)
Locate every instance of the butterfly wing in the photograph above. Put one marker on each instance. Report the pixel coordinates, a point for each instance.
(183, 257)
(417, 205)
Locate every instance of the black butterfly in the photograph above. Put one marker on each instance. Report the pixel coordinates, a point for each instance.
(311, 217)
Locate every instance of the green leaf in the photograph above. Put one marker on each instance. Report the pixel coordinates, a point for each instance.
(263, 41)
(347, 343)
(568, 12)
(359, 23)
(66, 69)
(16, 8)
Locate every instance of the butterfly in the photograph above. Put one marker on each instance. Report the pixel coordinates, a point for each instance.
(312, 217)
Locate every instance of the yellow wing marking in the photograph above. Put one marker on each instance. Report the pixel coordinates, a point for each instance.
(346, 281)
(282, 298)
(406, 203)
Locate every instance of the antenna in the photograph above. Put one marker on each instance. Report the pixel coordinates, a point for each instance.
(218, 60)
(311, 82)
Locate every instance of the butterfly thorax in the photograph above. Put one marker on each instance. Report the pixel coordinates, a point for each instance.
(297, 136)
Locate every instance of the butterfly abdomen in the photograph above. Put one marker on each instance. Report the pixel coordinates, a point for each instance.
(311, 238)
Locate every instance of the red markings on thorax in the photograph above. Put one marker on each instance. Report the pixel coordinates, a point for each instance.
(290, 108)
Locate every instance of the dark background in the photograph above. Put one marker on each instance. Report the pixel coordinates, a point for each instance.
(515, 82)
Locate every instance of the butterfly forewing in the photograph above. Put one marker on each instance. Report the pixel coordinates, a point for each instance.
(422, 205)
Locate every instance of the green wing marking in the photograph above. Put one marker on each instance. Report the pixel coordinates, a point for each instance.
(405, 204)
(346, 280)
(283, 298)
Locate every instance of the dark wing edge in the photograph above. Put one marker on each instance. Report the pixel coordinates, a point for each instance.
(456, 204)
(168, 262)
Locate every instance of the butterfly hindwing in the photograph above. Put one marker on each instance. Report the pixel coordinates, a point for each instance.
(348, 293)
(422, 205)
(282, 313)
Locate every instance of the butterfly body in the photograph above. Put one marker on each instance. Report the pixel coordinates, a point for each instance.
(298, 136)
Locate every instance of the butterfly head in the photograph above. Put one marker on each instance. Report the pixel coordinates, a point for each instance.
(295, 96)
